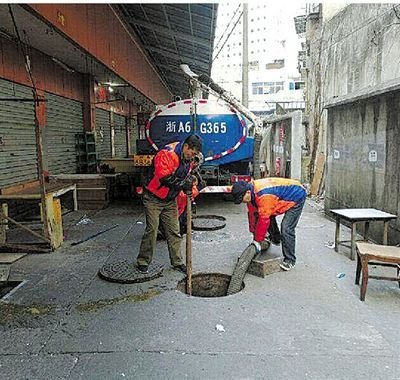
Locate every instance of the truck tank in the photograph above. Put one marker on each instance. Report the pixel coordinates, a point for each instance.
(227, 148)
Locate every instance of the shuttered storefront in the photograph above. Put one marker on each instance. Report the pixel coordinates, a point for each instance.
(18, 157)
(120, 136)
(64, 119)
(103, 134)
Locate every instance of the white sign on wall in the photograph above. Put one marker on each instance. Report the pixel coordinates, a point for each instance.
(373, 156)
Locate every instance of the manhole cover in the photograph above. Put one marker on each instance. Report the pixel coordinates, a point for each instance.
(208, 222)
(126, 272)
(211, 237)
(208, 285)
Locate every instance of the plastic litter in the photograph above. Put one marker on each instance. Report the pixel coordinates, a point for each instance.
(219, 328)
(340, 275)
(330, 244)
(139, 222)
(84, 220)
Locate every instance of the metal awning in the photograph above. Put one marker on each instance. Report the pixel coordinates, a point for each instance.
(173, 34)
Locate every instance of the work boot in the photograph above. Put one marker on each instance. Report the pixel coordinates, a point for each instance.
(143, 269)
(181, 268)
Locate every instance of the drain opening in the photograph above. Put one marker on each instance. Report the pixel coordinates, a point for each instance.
(208, 285)
(208, 222)
(7, 286)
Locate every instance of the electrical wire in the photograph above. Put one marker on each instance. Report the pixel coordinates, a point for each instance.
(227, 38)
(229, 23)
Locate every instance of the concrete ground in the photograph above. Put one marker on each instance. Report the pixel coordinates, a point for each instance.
(65, 322)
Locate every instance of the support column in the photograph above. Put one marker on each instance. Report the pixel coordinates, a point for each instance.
(89, 109)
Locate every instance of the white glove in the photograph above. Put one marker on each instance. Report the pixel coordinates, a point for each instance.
(257, 245)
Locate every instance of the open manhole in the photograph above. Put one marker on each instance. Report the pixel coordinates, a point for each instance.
(208, 222)
(208, 285)
(7, 286)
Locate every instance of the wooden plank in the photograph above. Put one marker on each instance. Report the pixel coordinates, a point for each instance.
(9, 258)
(4, 272)
(20, 187)
(319, 170)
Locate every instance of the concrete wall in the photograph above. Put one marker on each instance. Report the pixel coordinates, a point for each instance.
(360, 76)
(360, 49)
(363, 158)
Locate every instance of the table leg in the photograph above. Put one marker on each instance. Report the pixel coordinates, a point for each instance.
(337, 234)
(75, 196)
(385, 232)
(358, 269)
(366, 230)
(364, 281)
(353, 240)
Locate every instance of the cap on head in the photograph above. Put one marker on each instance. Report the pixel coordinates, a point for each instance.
(239, 190)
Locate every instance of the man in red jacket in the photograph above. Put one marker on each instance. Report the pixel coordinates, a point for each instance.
(169, 175)
(269, 197)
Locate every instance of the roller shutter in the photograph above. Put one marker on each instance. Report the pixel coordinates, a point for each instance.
(18, 157)
(64, 119)
(120, 136)
(103, 134)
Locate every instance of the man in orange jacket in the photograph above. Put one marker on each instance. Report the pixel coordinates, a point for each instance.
(169, 175)
(269, 197)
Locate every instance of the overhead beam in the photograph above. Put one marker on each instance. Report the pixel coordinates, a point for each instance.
(173, 55)
(168, 32)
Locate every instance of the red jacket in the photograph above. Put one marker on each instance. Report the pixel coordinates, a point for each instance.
(168, 161)
(271, 196)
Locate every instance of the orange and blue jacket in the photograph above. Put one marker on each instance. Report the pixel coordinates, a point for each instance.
(271, 196)
(168, 161)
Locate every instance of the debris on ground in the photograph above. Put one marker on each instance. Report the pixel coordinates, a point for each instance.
(84, 220)
(340, 275)
(330, 244)
(219, 328)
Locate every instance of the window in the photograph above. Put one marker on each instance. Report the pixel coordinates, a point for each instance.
(264, 88)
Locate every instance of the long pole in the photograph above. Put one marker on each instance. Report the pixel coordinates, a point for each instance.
(189, 244)
(245, 57)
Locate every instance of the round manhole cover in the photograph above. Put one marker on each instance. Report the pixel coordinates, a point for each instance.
(126, 272)
(208, 222)
(211, 237)
(208, 285)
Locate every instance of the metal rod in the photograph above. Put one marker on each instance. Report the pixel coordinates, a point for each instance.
(189, 244)
(27, 229)
(94, 235)
(42, 181)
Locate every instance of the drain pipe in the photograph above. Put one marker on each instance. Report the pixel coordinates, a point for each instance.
(189, 244)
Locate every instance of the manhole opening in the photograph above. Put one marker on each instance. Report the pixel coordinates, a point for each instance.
(208, 285)
(208, 222)
(7, 286)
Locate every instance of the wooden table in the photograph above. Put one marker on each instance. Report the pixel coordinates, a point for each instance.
(373, 254)
(53, 207)
(357, 215)
(55, 190)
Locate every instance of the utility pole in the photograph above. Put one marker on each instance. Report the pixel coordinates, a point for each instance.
(245, 58)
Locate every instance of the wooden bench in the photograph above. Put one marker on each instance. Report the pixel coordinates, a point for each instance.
(374, 254)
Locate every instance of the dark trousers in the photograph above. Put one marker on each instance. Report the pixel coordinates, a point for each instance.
(167, 212)
(288, 232)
